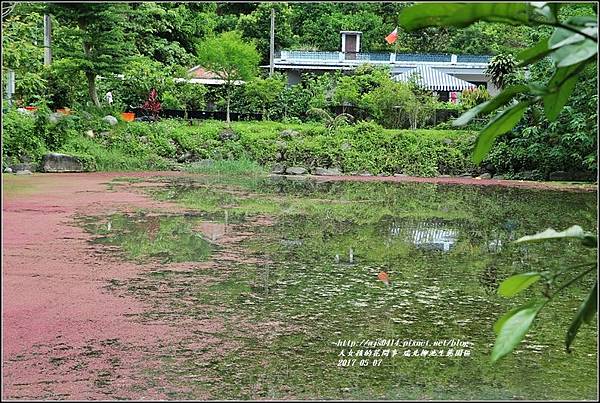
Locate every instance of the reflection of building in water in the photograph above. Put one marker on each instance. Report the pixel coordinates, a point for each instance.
(434, 238)
(427, 235)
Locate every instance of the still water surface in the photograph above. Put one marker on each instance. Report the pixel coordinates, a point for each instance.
(297, 263)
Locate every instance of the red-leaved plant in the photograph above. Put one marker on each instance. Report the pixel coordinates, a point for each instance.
(152, 105)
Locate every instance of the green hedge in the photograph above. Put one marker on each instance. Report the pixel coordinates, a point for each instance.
(20, 138)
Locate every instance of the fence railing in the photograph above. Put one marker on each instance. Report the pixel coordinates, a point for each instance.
(440, 115)
(307, 55)
(416, 57)
(381, 57)
(141, 114)
(473, 59)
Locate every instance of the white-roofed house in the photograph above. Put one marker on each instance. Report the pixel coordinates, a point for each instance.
(435, 80)
(293, 63)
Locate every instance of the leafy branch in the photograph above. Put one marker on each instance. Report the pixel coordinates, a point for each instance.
(512, 327)
(7, 8)
(331, 122)
(572, 46)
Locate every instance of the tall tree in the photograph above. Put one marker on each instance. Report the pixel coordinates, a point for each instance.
(257, 25)
(22, 51)
(168, 32)
(231, 59)
(100, 28)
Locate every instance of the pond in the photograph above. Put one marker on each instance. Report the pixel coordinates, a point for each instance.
(295, 280)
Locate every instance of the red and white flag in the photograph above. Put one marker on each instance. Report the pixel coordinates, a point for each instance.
(391, 38)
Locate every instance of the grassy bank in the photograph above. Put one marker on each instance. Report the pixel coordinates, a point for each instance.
(365, 146)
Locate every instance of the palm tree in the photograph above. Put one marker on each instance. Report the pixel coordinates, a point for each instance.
(331, 122)
(500, 68)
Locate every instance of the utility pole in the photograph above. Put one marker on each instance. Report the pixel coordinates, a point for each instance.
(47, 40)
(10, 82)
(10, 86)
(272, 47)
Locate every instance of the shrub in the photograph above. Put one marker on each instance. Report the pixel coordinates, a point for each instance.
(95, 156)
(20, 139)
(262, 94)
(474, 97)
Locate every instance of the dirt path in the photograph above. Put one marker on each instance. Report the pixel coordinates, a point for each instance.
(65, 335)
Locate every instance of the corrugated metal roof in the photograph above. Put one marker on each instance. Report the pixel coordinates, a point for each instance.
(207, 81)
(434, 80)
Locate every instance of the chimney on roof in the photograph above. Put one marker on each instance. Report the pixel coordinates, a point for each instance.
(350, 43)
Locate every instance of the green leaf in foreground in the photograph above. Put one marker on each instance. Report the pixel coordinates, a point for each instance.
(499, 100)
(572, 48)
(547, 10)
(534, 53)
(501, 124)
(583, 21)
(572, 232)
(575, 53)
(560, 87)
(563, 37)
(462, 14)
(554, 102)
(584, 314)
(512, 327)
(517, 283)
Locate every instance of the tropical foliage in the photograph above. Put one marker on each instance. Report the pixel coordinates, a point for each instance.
(101, 30)
(231, 59)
